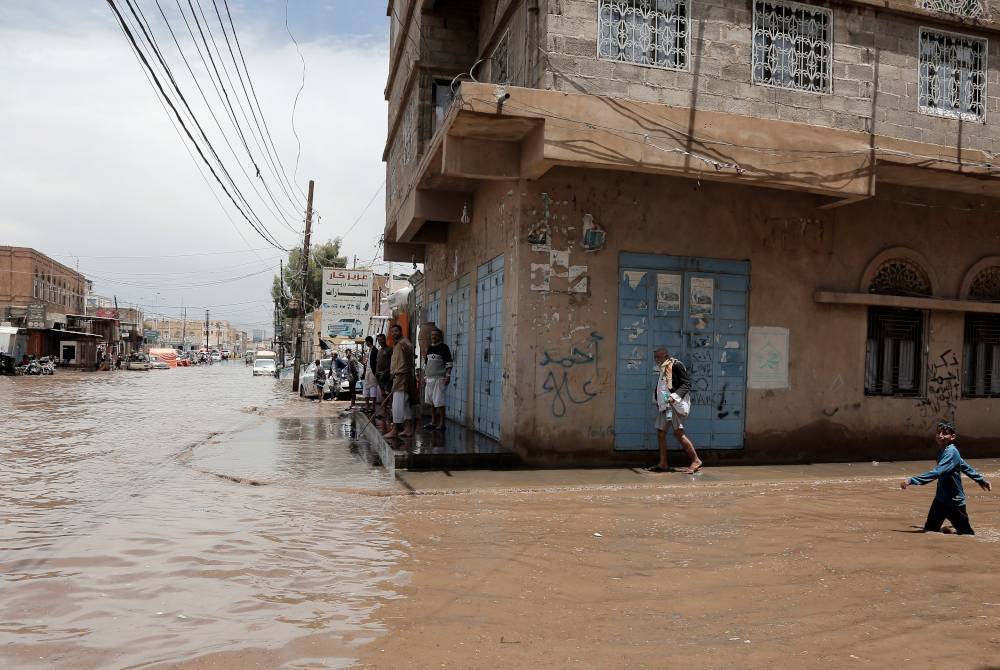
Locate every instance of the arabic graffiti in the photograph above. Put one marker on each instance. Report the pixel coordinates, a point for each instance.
(569, 378)
(942, 389)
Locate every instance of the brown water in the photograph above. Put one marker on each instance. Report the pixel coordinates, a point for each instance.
(133, 535)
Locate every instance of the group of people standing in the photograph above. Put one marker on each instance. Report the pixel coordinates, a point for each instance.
(390, 382)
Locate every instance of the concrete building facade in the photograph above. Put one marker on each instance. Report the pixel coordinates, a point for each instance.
(797, 200)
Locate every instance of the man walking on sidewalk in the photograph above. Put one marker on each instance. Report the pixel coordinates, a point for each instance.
(403, 385)
(673, 401)
(437, 376)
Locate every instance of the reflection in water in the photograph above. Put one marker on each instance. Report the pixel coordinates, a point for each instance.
(118, 547)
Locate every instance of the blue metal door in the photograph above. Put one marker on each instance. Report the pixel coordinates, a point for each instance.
(697, 309)
(457, 337)
(489, 347)
(434, 308)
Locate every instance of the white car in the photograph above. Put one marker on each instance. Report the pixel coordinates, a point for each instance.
(307, 389)
(263, 366)
(156, 364)
(216, 356)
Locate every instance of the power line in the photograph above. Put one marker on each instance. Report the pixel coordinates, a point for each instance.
(253, 90)
(151, 40)
(295, 104)
(280, 213)
(239, 103)
(159, 86)
(358, 220)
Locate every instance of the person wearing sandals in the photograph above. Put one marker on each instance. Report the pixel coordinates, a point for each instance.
(673, 401)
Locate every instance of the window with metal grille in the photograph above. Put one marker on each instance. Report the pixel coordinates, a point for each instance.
(792, 46)
(644, 32)
(500, 61)
(952, 75)
(894, 359)
(982, 356)
(968, 8)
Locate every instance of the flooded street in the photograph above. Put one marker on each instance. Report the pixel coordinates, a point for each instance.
(132, 535)
(201, 518)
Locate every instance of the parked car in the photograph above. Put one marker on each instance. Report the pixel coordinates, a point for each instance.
(155, 363)
(216, 356)
(138, 362)
(226, 354)
(264, 363)
(307, 389)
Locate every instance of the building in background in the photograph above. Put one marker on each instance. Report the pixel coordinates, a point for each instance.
(798, 200)
(39, 296)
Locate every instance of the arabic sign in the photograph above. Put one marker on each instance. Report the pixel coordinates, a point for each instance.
(36, 316)
(347, 302)
(768, 364)
(106, 313)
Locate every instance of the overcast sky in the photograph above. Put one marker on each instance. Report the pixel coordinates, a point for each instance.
(93, 171)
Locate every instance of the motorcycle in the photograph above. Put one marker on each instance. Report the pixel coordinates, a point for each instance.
(47, 365)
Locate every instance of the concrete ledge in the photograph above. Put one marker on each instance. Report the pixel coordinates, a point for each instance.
(877, 300)
(458, 448)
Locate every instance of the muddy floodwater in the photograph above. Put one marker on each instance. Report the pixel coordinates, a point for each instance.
(155, 518)
(202, 518)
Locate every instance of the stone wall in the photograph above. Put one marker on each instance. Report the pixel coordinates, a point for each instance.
(874, 72)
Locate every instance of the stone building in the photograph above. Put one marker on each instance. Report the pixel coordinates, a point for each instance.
(798, 200)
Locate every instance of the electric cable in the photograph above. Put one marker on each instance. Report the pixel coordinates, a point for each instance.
(144, 61)
(295, 103)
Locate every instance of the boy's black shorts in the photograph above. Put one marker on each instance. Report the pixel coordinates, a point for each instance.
(957, 514)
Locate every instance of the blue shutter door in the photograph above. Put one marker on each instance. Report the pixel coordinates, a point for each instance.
(457, 339)
(697, 308)
(489, 347)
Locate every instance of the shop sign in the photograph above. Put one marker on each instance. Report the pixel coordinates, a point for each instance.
(36, 316)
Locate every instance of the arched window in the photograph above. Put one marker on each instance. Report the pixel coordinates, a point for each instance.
(900, 276)
(894, 357)
(982, 338)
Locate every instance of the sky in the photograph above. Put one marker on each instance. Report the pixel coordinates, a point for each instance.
(96, 175)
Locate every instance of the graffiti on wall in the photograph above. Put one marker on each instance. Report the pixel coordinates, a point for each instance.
(569, 378)
(943, 389)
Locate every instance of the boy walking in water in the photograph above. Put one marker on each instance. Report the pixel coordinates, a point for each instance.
(949, 501)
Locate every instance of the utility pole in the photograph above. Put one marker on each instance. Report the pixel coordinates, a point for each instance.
(184, 330)
(279, 320)
(206, 338)
(355, 262)
(304, 276)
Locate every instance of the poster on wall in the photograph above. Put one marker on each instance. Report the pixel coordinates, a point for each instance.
(702, 298)
(767, 367)
(668, 293)
(347, 303)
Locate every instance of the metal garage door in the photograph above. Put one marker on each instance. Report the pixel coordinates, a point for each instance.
(697, 308)
(457, 339)
(489, 347)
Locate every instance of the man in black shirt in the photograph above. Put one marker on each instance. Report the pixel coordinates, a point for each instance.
(437, 376)
(673, 400)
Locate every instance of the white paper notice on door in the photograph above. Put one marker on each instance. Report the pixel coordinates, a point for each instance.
(767, 364)
(668, 293)
(702, 297)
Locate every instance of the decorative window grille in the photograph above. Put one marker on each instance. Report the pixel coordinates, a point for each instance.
(792, 46)
(644, 32)
(986, 286)
(900, 277)
(410, 132)
(500, 61)
(972, 9)
(982, 356)
(952, 75)
(894, 357)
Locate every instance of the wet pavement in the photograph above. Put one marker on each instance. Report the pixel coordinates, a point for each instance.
(201, 518)
(133, 534)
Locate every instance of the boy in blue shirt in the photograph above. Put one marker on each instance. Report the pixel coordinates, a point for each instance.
(949, 501)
